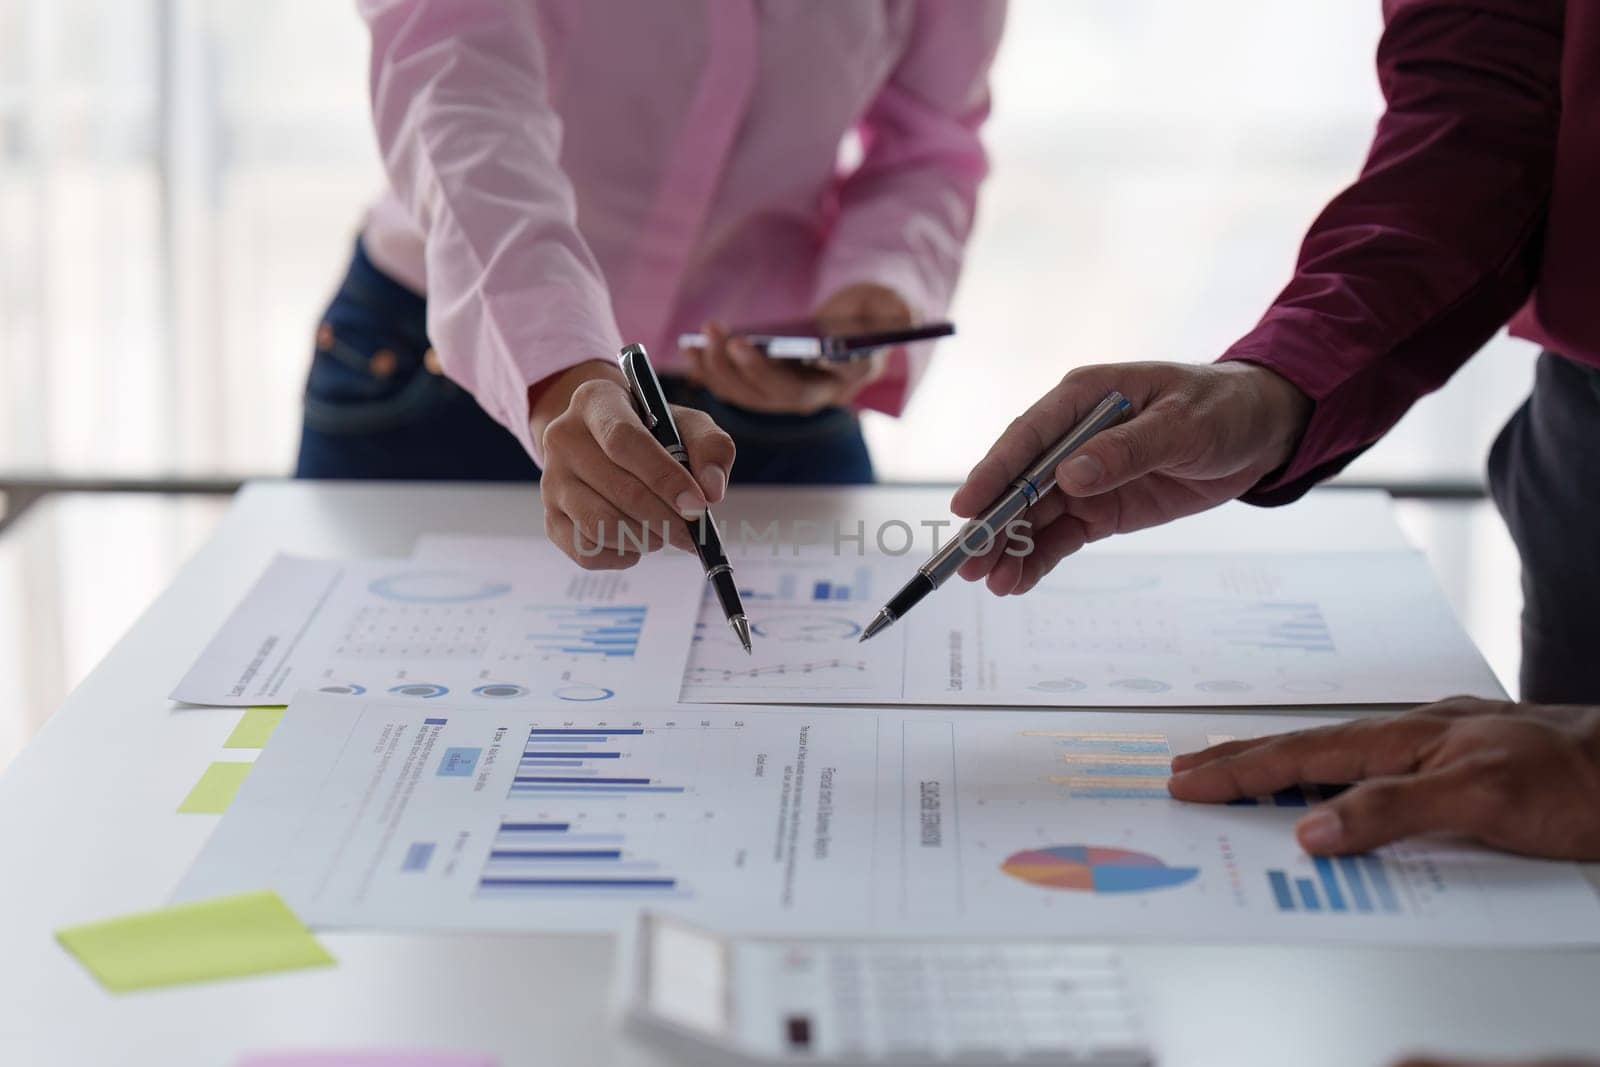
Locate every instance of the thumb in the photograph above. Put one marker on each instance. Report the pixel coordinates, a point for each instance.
(1149, 441)
(710, 450)
(1381, 810)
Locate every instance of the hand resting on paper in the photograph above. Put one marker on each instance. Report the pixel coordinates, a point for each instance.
(1519, 777)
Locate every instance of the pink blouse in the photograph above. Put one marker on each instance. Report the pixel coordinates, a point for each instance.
(565, 174)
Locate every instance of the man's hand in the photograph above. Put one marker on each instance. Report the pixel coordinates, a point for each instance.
(609, 489)
(736, 371)
(1520, 777)
(1199, 436)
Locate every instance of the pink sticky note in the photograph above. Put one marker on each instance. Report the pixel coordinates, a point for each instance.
(370, 1058)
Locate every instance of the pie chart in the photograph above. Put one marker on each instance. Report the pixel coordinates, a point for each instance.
(1094, 869)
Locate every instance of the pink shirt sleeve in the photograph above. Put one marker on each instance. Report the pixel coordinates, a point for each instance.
(905, 213)
(472, 148)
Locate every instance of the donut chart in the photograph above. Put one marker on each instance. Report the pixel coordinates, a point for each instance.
(1094, 869)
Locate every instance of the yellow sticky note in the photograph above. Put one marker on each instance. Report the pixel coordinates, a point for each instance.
(255, 726)
(249, 933)
(214, 791)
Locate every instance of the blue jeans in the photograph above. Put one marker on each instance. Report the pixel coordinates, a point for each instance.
(376, 406)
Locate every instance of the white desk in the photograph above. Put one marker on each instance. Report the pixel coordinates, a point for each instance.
(87, 830)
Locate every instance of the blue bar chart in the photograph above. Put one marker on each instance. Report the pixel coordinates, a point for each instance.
(560, 761)
(590, 631)
(792, 586)
(1293, 626)
(558, 859)
(1345, 885)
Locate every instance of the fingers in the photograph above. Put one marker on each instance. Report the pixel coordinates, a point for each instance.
(609, 416)
(611, 491)
(1038, 518)
(1377, 812)
(718, 372)
(711, 451)
(617, 512)
(1050, 546)
(1188, 761)
(778, 386)
(561, 531)
(1029, 435)
(1348, 752)
(1149, 441)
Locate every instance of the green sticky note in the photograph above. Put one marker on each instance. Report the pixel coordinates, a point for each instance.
(214, 791)
(254, 728)
(249, 933)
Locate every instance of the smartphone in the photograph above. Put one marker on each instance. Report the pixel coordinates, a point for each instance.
(808, 339)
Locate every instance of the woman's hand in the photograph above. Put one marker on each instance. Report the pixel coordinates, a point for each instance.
(734, 370)
(610, 491)
(1199, 435)
(1519, 777)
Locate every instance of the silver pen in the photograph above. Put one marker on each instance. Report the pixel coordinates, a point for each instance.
(981, 533)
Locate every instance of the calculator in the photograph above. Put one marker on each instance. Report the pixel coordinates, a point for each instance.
(707, 998)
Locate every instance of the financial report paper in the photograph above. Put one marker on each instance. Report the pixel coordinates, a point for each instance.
(380, 813)
(1222, 629)
(534, 629)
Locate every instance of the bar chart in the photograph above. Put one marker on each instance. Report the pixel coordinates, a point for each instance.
(603, 632)
(1275, 626)
(581, 762)
(1112, 765)
(799, 584)
(1342, 885)
(530, 859)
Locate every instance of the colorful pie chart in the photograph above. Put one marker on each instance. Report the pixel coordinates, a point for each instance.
(1094, 869)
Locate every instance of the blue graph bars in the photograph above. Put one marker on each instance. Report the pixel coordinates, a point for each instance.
(566, 760)
(601, 631)
(1275, 624)
(1348, 884)
(859, 589)
(1114, 765)
(548, 859)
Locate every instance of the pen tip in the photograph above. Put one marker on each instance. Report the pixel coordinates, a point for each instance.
(741, 628)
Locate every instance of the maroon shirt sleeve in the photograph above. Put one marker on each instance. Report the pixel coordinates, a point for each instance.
(1414, 267)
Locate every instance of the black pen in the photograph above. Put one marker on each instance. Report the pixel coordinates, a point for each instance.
(977, 536)
(653, 409)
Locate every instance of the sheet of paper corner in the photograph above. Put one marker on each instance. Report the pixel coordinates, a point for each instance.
(285, 634)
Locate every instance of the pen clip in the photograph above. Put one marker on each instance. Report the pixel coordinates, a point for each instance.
(630, 372)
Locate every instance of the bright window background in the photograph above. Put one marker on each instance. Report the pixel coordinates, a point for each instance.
(180, 181)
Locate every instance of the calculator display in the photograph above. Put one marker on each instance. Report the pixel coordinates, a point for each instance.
(687, 982)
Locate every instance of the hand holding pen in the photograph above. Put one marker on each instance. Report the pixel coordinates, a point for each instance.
(996, 521)
(609, 487)
(1196, 436)
(650, 404)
